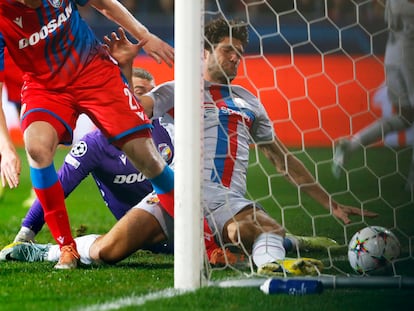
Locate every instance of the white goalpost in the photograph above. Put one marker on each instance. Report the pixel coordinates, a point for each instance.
(319, 73)
(188, 254)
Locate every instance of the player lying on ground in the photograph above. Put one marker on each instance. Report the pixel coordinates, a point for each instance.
(120, 183)
(132, 232)
(260, 235)
(68, 72)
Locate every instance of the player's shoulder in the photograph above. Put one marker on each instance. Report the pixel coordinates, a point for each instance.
(245, 96)
(165, 87)
(242, 91)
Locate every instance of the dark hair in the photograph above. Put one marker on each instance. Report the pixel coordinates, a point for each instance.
(142, 73)
(217, 29)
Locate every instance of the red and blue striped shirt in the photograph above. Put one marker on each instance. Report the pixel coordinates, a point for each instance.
(51, 44)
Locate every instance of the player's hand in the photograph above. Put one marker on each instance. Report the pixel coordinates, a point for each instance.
(10, 167)
(119, 46)
(343, 211)
(158, 49)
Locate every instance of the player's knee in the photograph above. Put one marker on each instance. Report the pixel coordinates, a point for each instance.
(107, 256)
(105, 251)
(40, 154)
(243, 232)
(40, 146)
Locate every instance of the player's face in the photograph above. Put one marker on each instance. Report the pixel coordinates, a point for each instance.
(142, 86)
(222, 63)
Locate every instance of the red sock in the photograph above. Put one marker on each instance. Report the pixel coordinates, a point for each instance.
(167, 202)
(53, 202)
(163, 185)
(209, 241)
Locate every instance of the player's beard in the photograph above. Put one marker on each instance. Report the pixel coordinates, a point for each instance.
(223, 73)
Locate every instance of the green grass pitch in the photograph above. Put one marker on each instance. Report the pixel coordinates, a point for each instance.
(144, 281)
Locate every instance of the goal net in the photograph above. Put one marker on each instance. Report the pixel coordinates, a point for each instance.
(318, 69)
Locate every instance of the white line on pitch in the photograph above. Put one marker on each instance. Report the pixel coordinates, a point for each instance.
(133, 300)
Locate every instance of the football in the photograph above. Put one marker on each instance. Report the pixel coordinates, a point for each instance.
(372, 249)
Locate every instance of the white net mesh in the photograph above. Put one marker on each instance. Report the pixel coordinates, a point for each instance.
(318, 68)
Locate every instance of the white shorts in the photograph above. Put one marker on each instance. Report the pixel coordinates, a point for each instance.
(151, 204)
(222, 204)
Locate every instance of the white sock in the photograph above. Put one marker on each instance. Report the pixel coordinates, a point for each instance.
(25, 235)
(268, 247)
(53, 253)
(83, 244)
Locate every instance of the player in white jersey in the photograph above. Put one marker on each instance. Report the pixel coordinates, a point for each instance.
(399, 70)
(233, 119)
(258, 231)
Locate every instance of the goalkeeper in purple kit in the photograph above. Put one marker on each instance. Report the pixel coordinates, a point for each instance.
(120, 184)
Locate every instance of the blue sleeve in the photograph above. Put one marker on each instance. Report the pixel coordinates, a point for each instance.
(2, 46)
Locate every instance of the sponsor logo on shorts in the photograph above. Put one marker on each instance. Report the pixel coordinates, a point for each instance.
(153, 200)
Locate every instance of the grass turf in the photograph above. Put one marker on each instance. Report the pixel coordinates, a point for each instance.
(131, 284)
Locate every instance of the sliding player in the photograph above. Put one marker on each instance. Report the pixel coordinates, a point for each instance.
(134, 231)
(232, 118)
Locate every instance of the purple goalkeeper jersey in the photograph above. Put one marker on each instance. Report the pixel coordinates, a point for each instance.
(121, 185)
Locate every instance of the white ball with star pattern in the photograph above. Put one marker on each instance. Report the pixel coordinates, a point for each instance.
(372, 249)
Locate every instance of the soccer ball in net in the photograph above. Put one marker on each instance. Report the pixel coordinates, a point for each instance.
(372, 249)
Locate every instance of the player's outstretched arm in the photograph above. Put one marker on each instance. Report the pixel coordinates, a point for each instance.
(296, 172)
(154, 46)
(124, 51)
(10, 164)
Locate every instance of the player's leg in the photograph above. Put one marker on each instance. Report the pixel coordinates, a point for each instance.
(33, 252)
(136, 230)
(403, 117)
(264, 237)
(259, 234)
(118, 114)
(143, 154)
(32, 223)
(52, 252)
(41, 140)
(45, 124)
